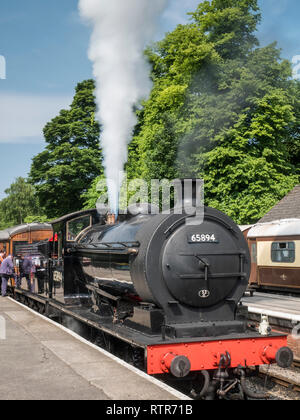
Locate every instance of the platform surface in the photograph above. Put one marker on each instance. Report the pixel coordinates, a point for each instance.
(290, 306)
(41, 361)
(283, 312)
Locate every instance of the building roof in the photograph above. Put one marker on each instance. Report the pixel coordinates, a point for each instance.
(278, 228)
(287, 208)
(245, 227)
(7, 234)
(4, 235)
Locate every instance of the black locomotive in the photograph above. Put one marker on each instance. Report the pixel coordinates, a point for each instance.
(188, 278)
(164, 286)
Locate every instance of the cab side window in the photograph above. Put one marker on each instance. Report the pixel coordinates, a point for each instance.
(283, 252)
(74, 227)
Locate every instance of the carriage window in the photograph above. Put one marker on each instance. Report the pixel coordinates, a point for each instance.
(283, 252)
(74, 227)
(254, 253)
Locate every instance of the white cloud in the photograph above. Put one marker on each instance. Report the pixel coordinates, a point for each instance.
(23, 116)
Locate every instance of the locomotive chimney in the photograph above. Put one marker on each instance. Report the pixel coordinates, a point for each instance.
(111, 219)
(189, 193)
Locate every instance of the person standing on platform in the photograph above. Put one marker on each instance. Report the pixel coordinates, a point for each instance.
(6, 272)
(28, 269)
(40, 273)
(2, 258)
(19, 271)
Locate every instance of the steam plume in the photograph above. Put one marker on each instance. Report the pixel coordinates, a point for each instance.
(121, 30)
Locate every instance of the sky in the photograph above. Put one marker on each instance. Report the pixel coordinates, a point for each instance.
(43, 55)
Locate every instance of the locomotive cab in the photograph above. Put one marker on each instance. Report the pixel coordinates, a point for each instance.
(63, 284)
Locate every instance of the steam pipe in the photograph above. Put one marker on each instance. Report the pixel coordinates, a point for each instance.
(111, 219)
(205, 388)
(247, 391)
(211, 392)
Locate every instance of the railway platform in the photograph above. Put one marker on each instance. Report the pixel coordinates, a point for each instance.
(275, 306)
(41, 360)
(283, 313)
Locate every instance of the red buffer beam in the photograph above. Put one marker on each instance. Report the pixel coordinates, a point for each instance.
(199, 356)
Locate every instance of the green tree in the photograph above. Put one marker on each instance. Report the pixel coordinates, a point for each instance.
(293, 138)
(91, 196)
(64, 171)
(20, 204)
(222, 109)
(249, 172)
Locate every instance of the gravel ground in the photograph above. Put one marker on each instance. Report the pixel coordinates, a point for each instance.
(273, 390)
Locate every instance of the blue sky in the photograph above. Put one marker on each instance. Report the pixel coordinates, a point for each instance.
(45, 48)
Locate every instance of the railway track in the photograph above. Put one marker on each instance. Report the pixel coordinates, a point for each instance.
(277, 383)
(297, 363)
(288, 378)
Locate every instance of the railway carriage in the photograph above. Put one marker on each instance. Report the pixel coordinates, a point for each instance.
(275, 255)
(13, 240)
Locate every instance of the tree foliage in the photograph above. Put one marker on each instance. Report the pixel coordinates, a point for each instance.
(20, 205)
(64, 171)
(223, 109)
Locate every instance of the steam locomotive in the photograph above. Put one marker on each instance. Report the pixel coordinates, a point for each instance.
(167, 287)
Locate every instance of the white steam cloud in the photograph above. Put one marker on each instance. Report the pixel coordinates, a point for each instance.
(121, 30)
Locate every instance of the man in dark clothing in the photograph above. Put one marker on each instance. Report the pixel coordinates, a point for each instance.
(40, 272)
(27, 268)
(6, 272)
(20, 274)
